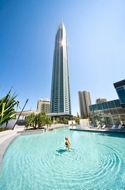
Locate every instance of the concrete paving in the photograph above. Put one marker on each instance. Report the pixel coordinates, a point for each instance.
(4, 135)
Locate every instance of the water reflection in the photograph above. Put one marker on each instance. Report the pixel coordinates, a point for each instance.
(112, 135)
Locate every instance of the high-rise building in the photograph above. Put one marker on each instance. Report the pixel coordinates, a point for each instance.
(120, 89)
(43, 105)
(60, 87)
(101, 100)
(111, 112)
(84, 103)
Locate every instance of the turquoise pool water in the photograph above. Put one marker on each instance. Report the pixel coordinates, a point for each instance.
(41, 162)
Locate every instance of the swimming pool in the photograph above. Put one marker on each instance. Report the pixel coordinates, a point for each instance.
(41, 162)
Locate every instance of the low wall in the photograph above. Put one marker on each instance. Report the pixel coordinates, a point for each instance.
(21, 122)
(71, 122)
(10, 124)
(84, 122)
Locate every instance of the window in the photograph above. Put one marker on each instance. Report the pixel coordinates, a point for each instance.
(117, 103)
(91, 108)
(94, 107)
(105, 105)
(121, 94)
(111, 104)
(99, 106)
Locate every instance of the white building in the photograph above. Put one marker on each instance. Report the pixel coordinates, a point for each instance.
(43, 105)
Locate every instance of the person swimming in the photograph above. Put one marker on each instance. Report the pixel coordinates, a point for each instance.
(67, 143)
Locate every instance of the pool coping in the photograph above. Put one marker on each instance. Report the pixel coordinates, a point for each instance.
(99, 130)
(5, 145)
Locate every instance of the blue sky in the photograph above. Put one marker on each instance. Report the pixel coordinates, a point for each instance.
(96, 47)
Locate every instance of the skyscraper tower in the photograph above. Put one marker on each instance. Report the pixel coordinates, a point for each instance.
(60, 88)
(84, 103)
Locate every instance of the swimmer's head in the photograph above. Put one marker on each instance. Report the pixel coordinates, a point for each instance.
(66, 138)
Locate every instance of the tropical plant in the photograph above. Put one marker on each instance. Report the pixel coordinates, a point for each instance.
(38, 120)
(41, 119)
(48, 121)
(77, 119)
(7, 108)
(101, 117)
(30, 121)
(65, 121)
(57, 120)
(84, 116)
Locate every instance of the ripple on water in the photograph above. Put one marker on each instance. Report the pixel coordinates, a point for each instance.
(39, 165)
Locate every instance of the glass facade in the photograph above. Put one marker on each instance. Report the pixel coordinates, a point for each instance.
(121, 94)
(120, 89)
(113, 108)
(114, 111)
(105, 105)
(60, 88)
